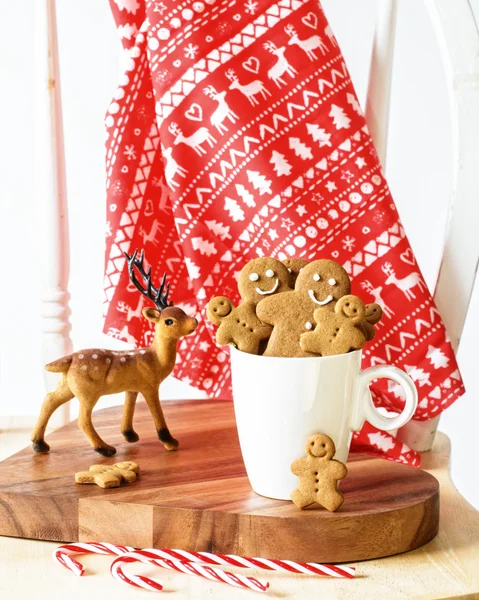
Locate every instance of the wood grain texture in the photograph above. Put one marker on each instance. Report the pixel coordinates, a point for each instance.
(199, 498)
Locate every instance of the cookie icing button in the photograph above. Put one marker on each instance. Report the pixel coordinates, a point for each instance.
(309, 325)
(272, 291)
(316, 277)
(332, 281)
(320, 302)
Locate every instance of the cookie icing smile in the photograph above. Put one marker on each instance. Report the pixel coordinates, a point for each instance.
(327, 300)
(266, 292)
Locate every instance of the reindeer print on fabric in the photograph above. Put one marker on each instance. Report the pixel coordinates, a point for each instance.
(249, 90)
(405, 284)
(222, 111)
(195, 140)
(281, 66)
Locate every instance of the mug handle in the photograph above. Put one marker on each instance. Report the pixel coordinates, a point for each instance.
(365, 410)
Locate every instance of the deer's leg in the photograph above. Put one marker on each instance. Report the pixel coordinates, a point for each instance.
(164, 435)
(127, 430)
(52, 401)
(86, 425)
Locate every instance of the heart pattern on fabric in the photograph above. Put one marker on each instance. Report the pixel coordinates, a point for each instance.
(310, 20)
(251, 65)
(194, 113)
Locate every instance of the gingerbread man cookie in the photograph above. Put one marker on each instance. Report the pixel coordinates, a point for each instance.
(259, 278)
(372, 316)
(239, 326)
(294, 266)
(318, 475)
(320, 283)
(335, 332)
(108, 476)
(263, 277)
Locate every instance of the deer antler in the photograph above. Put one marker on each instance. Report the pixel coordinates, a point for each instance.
(231, 75)
(158, 296)
(387, 268)
(174, 129)
(270, 46)
(209, 91)
(290, 30)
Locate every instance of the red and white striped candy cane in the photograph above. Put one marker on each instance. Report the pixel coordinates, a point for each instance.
(62, 554)
(248, 562)
(182, 566)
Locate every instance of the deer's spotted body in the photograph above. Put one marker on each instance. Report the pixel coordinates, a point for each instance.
(90, 374)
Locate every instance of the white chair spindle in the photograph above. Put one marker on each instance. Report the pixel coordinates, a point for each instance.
(458, 38)
(52, 200)
(380, 76)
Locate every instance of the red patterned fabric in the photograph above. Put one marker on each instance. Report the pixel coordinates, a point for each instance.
(236, 133)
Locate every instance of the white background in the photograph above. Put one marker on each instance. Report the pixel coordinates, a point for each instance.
(418, 169)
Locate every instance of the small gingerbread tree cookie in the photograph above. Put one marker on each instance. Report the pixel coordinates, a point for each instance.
(335, 332)
(372, 316)
(318, 475)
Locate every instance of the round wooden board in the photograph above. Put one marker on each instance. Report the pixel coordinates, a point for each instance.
(199, 498)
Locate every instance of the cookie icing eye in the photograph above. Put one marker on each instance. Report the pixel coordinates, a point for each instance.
(332, 281)
(269, 273)
(289, 270)
(316, 277)
(254, 277)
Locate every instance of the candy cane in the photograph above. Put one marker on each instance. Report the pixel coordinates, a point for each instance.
(247, 562)
(182, 566)
(62, 554)
(181, 560)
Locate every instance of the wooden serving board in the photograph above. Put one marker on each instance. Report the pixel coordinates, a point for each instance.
(199, 498)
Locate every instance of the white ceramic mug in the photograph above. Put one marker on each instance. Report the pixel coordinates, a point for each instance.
(280, 402)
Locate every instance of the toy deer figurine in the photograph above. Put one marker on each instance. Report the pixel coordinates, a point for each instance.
(90, 374)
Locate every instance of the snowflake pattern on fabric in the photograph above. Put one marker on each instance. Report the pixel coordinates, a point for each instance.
(236, 133)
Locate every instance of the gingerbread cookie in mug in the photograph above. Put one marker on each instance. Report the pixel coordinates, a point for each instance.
(372, 316)
(263, 277)
(336, 332)
(259, 278)
(320, 283)
(294, 266)
(237, 325)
